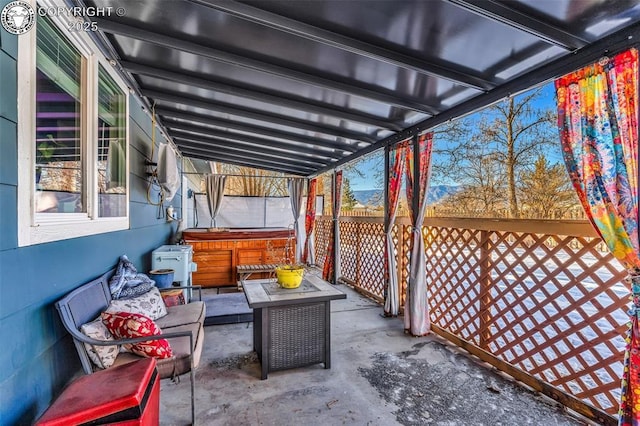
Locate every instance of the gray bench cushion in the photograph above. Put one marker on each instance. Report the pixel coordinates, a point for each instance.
(190, 313)
(179, 363)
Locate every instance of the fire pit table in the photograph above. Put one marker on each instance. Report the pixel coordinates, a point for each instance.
(291, 327)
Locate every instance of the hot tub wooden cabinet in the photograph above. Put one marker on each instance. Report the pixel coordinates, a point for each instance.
(217, 253)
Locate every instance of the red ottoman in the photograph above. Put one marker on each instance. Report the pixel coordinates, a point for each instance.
(128, 394)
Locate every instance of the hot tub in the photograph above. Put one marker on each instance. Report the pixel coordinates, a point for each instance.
(218, 252)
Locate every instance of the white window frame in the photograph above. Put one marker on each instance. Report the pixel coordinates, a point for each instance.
(36, 228)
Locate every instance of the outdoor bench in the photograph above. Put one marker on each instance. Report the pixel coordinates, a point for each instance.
(182, 327)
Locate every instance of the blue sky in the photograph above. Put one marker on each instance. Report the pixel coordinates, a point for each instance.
(368, 168)
(370, 165)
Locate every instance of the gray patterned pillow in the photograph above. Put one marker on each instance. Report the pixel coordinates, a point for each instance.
(102, 356)
(149, 304)
(140, 289)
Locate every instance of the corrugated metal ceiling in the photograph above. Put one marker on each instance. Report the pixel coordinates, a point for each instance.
(303, 86)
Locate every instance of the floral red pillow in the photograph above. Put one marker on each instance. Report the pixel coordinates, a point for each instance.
(126, 325)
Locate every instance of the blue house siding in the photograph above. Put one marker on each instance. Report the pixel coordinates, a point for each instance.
(39, 357)
(8, 145)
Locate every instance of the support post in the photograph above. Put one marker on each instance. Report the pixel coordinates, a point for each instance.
(416, 178)
(387, 225)
(336, 230)
(485, 291)
(358, 252)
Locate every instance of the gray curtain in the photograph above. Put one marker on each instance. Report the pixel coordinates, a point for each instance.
(416, 310)
(296, 191)
(395, 159)
(309, 252)
(215, 193)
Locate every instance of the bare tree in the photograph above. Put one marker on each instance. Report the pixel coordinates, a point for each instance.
(483, 191)
(512, 133)
(519, 131)
(254, 182)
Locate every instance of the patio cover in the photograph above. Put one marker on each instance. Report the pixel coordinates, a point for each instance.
(304, 86)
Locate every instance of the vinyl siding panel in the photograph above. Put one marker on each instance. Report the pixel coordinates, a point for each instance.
(8, 223)
(8, 152)
(8, 87)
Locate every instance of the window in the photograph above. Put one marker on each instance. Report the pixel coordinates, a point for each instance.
(58, 142)
(73, 138)
(112, 147)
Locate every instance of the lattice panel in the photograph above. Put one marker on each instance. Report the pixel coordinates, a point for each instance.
(323, 227)
(553, 306)
(349, 237)
(559, 312)
(404, 260)
(362, 255)
(453, 273)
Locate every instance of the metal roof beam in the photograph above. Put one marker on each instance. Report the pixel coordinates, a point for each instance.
(254, 159)
(241, 162)
(248, 155)
(249, 162)
(242, 157)
(250, 142)
(320, 35)
(172, 115)
(261, 95)
(254, 114)
(501, 12)
(350, 87)
(263, 153)
(615, 42)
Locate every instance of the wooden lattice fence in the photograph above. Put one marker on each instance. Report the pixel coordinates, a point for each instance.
(362, 254)
(323, 226)
(540, 295)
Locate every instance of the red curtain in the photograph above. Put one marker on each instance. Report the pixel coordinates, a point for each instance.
(329, 266)
(309, 223)
(416, 310)
(397, 160)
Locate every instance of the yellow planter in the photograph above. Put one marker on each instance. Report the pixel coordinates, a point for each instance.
(290, 276)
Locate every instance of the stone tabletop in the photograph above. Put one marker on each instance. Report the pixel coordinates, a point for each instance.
(264, 293)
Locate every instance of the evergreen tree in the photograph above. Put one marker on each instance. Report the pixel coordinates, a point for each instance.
(348, 199)
(546, 192)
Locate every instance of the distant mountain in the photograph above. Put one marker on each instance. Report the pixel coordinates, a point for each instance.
(371, 197)
(375, 197)
(438, 192)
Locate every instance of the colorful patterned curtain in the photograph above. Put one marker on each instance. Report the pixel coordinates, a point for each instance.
(308, 255)
(397, 160)
(598, 123)
(328, 271)
(416, 310)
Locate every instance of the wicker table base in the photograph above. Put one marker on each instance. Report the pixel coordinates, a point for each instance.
(291, 327)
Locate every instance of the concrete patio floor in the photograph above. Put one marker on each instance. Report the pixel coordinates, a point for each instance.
(379, 376)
